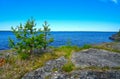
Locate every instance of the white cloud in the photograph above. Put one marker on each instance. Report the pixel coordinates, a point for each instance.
(115, 1)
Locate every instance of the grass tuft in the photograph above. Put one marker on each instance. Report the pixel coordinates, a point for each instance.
(68, 67)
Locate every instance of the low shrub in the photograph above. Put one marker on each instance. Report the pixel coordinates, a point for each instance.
(68, 67)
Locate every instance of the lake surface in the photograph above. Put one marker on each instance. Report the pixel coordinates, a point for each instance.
(61, 38)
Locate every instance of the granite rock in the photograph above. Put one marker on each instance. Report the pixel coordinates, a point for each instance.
(115, 37)
(46, 70)
(86, 58)
(96, 57)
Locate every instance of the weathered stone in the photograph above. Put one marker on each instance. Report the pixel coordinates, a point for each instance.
(41, 73)
(96, 57)
(86, 58)
(115, 37)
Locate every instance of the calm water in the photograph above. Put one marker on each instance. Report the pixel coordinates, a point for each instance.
(60, 38)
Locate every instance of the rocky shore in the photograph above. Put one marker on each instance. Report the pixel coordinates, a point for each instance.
(87, 58)
(115, 37)
(96, 57)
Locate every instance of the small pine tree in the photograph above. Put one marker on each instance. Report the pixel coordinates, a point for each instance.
(46, 33)
(29, 38)
(25, 36)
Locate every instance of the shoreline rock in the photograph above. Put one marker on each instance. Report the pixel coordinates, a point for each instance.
(115, 37)
(96, 57)
(85, 58)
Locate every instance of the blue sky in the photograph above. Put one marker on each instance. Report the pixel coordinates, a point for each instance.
(62, 15)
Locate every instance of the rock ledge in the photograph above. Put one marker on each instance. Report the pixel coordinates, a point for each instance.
(85, 58)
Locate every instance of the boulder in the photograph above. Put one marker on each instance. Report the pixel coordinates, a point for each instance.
(96, 57)
(115, 37)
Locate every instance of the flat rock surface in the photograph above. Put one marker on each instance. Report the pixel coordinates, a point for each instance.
(96, 57)
(43, 72)
(90, 57)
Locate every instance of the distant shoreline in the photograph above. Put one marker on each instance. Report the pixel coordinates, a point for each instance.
(65, 31)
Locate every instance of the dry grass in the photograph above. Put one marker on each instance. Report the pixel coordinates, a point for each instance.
(15, 67)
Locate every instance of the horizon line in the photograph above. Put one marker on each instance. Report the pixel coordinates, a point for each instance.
(70, 31)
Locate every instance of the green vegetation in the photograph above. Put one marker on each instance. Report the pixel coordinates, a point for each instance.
(68, 67)
(24, 56)
(46, 33)
(67, 50)
(87, 46)
(30, 38)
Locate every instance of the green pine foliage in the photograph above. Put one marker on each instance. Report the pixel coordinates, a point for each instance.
(46, 33)
(30, 38)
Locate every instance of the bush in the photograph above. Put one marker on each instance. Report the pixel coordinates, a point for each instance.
(68, 67)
